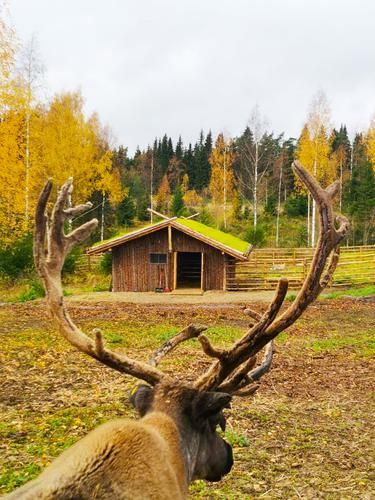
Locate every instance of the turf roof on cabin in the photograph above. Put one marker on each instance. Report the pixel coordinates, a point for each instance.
(226, 239)
(215, 234)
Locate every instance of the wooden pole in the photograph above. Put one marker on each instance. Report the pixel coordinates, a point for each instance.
(170, 249)
(202, 271)
(224, 272)
(174, 270)
(152, 211)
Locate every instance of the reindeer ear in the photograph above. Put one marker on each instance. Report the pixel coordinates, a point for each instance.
(210, 403)
(141, 397)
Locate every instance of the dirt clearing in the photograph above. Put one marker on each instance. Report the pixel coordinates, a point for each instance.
(308, 433)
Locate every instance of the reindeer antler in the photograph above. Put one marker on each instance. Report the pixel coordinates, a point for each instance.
(231, 372)
(51, 245)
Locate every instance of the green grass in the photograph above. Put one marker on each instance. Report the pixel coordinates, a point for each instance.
(338, 294)
(362, 345)
(210, 232)
(351, 292)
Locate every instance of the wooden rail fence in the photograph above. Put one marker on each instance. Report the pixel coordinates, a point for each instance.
(266, 266)
(87, 263)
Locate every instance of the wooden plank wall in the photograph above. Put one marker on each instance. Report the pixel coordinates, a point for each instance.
(213, 262)
(132, 271)
(131, 268)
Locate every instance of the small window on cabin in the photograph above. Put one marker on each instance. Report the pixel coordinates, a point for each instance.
(158, 258)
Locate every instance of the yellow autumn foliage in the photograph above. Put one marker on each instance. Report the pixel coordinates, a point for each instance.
(370, 142)
(221, 160)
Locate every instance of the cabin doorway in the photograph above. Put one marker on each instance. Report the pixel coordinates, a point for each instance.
(189, 270)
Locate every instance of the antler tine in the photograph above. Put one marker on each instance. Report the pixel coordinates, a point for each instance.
(246, 374)
(243, 348)
(49, 264)
(41, 226)
(190, 332)
(269, 325)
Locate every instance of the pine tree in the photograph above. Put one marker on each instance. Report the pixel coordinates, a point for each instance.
(202, 167)
(177, 202)
(179, 149)
(360, 203)
(126, 211)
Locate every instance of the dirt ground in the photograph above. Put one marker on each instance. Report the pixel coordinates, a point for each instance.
(307, 433)
(176, 297)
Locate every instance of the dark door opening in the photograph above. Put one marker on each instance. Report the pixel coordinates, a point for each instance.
(189, 269)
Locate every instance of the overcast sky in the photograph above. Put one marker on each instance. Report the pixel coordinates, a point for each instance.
(178, 66)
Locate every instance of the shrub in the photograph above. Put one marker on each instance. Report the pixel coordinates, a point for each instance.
(296, 206)
(271, 206)
(17, 259)
(71, 261)
(105, 264)
(33, 291)
(256, 236)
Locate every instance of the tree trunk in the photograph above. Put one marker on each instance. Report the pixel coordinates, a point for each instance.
(225, 189)
(102, 221)
(313, 215)
(308, 219)
(27, 168)
(151, 186)
(278, 208)
(256, 186)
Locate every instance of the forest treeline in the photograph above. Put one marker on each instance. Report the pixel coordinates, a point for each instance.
(243, 184)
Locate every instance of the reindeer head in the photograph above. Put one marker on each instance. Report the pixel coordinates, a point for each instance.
(197, 409)
(197, 415)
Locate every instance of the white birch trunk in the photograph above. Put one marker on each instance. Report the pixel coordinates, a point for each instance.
(151, 185)
(256, 186)
(308, 219)
(102, 219)
(27, 168)
(225, 189)
(278, 208)
(313, 215)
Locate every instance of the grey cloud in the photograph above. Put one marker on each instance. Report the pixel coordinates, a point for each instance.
(150, 67)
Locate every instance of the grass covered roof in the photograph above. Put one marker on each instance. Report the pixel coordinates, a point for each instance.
(219, 239)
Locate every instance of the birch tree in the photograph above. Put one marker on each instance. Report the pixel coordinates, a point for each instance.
(30, 73)
(221, 184)
(313, 152)
(256, 153)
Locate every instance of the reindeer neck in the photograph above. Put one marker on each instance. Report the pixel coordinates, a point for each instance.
(183, 444)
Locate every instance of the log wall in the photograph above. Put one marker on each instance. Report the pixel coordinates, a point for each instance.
(132, 270)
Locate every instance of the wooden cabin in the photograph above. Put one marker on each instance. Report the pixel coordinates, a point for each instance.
(172, 254)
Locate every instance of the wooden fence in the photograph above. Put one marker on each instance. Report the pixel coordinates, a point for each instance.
(87, 263)
(266, 266)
